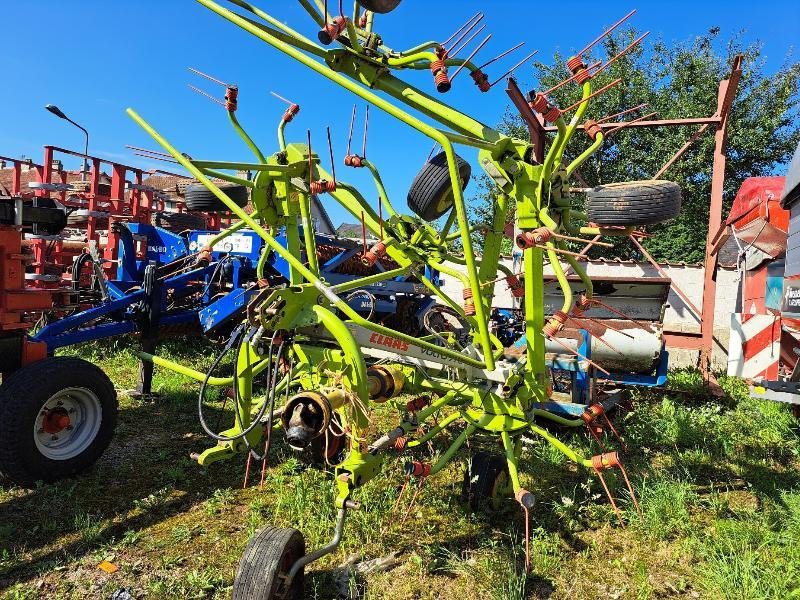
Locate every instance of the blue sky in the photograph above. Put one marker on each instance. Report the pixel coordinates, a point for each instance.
(95, 58)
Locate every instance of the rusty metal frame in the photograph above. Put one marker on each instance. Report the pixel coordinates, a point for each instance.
(704, 339)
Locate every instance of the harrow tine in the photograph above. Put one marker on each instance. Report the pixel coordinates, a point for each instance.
(610, 497)
(501, 55)
(514, 68)
(624, 112)
(413, 501)
(471, 56)
(622, 53)
(605, 33)
(207, 76)
(467, 42)
(571, 78)
(462, 32)
(366, 129)
(247, 470)
(457, 31)
(607, 87)
(279, 97)
(625, 124)
(206, 94)
(350, 135)
(330, 149)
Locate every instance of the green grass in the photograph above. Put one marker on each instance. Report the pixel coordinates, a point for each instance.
(718, 482)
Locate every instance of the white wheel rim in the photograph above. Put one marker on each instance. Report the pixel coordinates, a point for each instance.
(67, 423)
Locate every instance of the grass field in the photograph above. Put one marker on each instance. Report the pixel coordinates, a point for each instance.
(718, 481)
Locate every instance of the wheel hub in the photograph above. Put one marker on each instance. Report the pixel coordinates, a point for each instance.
(56, 420)
(67, 423)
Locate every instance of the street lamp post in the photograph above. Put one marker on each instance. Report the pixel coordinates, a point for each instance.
(59, 113)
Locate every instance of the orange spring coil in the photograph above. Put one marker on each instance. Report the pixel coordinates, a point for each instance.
(529, 239)
(575, 63)
(552, 114)
(539, 102)
(322, 186)
(335, 28)
(592, 412)
(583, 76)
(442, 81)
(555, 324)
(291, 112)
(418, 469)
(231, 98)
(437, 66)
(418, 403)
(469, 303)
(378, 251)
(582, 304)
(481, 80)
(400, 443)
(592, 129)
(515, 285)
(608, 460)
(353, 160)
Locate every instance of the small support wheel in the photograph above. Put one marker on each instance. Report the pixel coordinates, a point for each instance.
(57, 416)
(266, 561)
(431, 192)
(380, 6)
(200, 199)
(634, 203)
(486, 482)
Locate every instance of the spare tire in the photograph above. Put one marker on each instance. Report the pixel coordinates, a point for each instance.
(177, 222)
(379, 6)
(633, 203)
(431, 193)
(200, 198)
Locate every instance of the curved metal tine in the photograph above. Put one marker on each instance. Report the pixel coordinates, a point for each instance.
(466, 33)
(625, 124)
(471, 56)
(514, 68)
(279, 97)
(622, 53)
(207, 76)
(350, 135)
(366, 128)
(605, 33)
(478, 15)
(624, 112)
(592, 95)
(570, 78)
(501, 55)
(330, 148)
(206, 94)
(458, 48)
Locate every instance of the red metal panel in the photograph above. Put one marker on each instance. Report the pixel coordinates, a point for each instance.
(759, 197)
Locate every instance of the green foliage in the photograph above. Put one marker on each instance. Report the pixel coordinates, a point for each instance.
(676, 80)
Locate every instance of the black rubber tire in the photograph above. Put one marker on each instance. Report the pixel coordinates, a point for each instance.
(336, 446)
(22, 396)
(178, 222)
(379, 6)
(271, 552)
(484, 479)
(634, 202)
(199, 198)
(431, 194)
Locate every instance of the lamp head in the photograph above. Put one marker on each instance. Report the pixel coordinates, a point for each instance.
(56, 111)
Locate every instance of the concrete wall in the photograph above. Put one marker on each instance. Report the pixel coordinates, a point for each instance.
(677, 317)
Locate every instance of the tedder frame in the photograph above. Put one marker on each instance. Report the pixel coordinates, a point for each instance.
(314, 346)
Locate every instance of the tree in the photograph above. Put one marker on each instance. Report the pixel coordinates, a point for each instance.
(678, 80)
